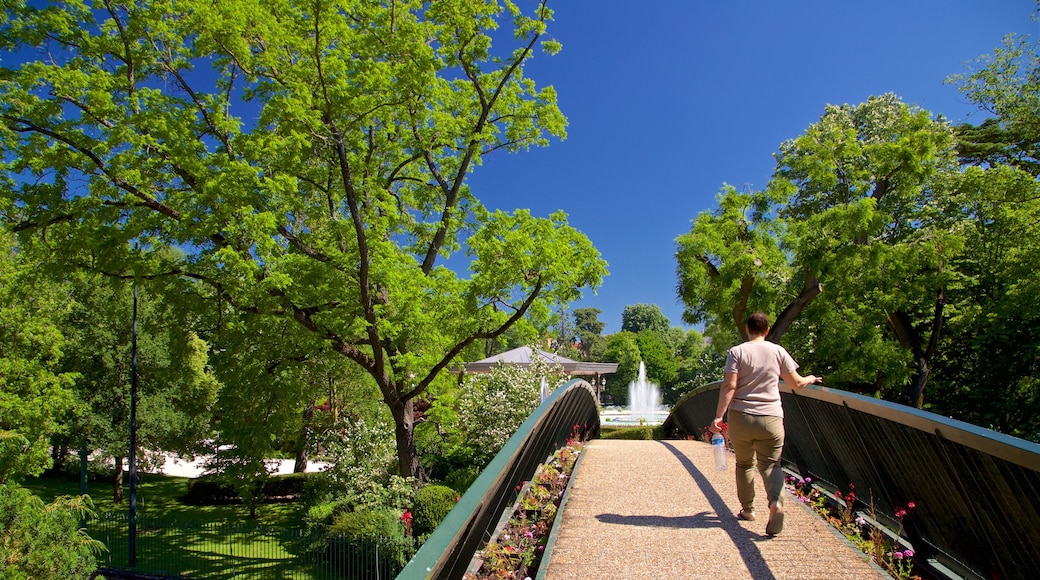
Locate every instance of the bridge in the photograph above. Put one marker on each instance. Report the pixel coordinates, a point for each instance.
(658, 509)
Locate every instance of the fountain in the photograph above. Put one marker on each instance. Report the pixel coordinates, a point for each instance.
(644, 398)
(644, 404)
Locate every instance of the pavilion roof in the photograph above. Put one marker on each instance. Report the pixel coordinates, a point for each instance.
(523, 356)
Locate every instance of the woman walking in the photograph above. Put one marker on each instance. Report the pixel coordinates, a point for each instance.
(751, 392)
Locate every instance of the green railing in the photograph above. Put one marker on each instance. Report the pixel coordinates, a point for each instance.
(976, 492)
(570, 410)
(214, 550)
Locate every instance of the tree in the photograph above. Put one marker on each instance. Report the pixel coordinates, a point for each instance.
(991, 364)
(622, 348)
(310, 161)
(660, 361)
(34, 391)
(699, 363)
(870, 182)
(590, 329)
(855, 206)
(38, 540)
(730, 263)
(1004, 84)
(175, 390)
(636, 318)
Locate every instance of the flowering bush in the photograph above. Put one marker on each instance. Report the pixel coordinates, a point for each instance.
(363, 466)
(863, 533)
(494, 404)
(516, 551)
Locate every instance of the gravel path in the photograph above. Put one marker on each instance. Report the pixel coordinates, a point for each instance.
(659, 510)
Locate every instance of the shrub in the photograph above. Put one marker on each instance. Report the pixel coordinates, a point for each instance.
(645, 432)
(44, 541)
(353, 533)
(213, 490)
(460, 479)
(432, 503)
(377, 523)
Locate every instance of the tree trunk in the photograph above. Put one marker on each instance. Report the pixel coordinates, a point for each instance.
(301, 446)
(740, 309)
(404, 430)
(118, 491)
(810, 290)
(913, 394)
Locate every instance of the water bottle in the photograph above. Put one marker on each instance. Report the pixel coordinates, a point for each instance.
(718, 447)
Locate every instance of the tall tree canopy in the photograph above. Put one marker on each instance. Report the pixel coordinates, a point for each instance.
(855, 207)
(309, 162)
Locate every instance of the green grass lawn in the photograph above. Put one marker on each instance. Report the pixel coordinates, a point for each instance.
(199, 541)
(157, 497)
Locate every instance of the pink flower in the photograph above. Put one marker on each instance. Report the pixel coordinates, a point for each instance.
(909, 553)
(910, 505)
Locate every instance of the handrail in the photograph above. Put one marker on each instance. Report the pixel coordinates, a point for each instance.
(570, 410)
(976, 492)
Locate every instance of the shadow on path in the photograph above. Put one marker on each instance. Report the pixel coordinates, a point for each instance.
(743, 539)
(701, 520)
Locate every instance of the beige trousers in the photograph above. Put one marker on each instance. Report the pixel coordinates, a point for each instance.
(757, 439)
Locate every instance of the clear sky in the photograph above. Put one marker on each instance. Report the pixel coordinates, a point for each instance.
(669, 100)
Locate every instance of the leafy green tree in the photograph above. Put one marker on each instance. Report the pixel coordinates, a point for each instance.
(856, 207)
(730, 263)
(990, 371)
(38, 540)
(590, 333)
(699, 363)
(660, 361)
(622, 349)
(639, 317)
(175, 390)
(310, 161)
(870, 183)
(1004, 84)
(35, 392)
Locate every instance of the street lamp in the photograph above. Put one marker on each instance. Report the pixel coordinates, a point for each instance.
(133, 435)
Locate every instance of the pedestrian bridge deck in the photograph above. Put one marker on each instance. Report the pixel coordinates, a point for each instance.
(658, 509)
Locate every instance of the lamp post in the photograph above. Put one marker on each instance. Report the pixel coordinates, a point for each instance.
(133, 436)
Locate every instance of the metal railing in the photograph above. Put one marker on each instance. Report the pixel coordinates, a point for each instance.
(170, 548)
(976, 492)
(569, 411)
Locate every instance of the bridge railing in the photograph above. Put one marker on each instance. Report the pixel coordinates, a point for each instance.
(570, 410)
(976, 492)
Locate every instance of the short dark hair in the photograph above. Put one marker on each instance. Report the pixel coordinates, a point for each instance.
(757, 323)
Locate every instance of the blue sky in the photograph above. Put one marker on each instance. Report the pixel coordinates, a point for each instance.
(669, 100)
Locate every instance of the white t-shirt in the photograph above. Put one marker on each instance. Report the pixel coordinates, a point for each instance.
(758, 365)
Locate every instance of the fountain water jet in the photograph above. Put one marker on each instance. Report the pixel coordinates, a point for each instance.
(644, 398)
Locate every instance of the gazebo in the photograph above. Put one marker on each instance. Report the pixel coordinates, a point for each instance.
(524, 355)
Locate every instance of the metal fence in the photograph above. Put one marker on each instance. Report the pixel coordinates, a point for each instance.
(976, 491)
(212, 550)
(449, 549)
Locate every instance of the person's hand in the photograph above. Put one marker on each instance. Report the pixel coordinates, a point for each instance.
(715, 427)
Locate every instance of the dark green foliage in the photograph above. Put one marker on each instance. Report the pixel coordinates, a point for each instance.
(43, 541)
(641, 433)
(210, 490)
(382, 523)
(432, 503)
(460, 479)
